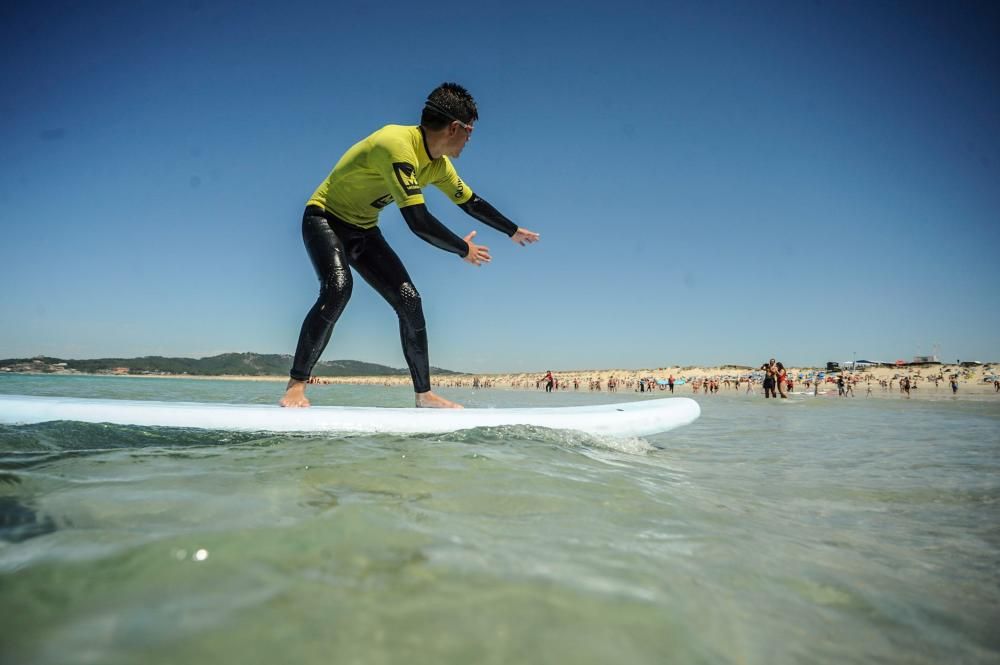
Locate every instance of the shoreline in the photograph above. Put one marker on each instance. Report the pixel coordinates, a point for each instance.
(884, 381)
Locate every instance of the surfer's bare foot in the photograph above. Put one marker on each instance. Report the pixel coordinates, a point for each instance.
(295, 394)
(429, 400)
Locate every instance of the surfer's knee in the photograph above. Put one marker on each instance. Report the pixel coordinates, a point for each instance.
(335, 290)
(338, 280)
(410, 307)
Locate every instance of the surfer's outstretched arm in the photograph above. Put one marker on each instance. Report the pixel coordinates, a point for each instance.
(427, 227)
(480, 209)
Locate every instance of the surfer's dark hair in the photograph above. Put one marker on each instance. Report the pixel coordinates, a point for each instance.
(446, 103)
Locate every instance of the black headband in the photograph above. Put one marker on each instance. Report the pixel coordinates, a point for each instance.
(437, 108)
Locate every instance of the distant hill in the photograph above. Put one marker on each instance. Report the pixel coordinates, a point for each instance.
(238, 364)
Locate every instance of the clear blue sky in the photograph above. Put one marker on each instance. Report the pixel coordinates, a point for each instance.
(713, 181)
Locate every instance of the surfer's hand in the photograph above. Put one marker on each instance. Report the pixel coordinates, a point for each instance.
(524, 237)
(478, 254)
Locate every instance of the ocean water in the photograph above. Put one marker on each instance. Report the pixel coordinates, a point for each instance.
(811, 530)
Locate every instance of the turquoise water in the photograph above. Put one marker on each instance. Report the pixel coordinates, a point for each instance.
(812, 531)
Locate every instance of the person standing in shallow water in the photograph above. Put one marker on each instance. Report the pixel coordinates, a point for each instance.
(770, 378)
(341, 234)
(549, 380)
(782, 381)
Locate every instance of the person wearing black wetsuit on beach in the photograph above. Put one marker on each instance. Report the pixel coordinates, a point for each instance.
(341, 234)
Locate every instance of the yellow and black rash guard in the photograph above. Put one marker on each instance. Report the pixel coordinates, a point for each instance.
(390, 165)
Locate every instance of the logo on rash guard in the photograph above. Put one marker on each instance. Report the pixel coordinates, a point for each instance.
(407, 177)
(381, 201)
(461, 189)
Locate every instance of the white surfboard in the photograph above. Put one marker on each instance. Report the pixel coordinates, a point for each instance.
(626, 419)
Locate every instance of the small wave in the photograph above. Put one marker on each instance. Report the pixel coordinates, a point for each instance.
(513, 434)
(24, 447)
(77, 436)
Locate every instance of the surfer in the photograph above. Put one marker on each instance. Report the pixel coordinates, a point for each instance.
(340, 230)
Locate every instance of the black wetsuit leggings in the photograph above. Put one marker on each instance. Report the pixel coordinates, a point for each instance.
(335, 247)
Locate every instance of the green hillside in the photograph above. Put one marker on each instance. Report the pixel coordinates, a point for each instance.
(238, 364)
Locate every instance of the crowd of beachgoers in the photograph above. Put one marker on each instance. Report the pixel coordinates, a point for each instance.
(904, 380)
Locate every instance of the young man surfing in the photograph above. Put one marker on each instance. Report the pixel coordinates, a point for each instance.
(341, 234)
